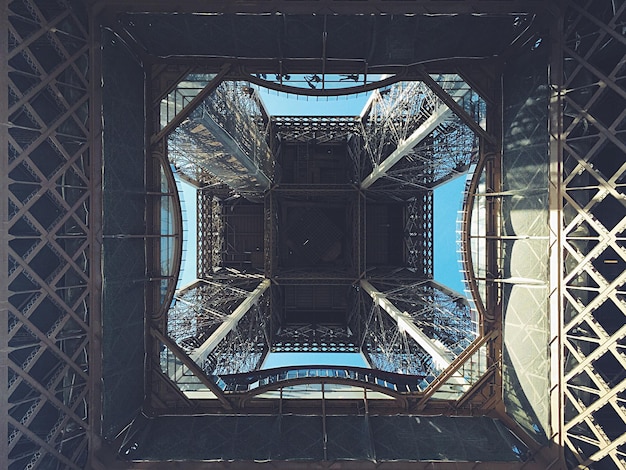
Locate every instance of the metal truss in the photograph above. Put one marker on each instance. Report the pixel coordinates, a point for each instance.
(418, 234)
(46, 291)
(390, 348)
(319, 129)
(198, 309)
(313, 338)
(401, 341)
(588, 239)
(210, 231)
(49, 342)
(412, 138)
(230, 121)
(354, 148)
(214, 327)
(437, 319)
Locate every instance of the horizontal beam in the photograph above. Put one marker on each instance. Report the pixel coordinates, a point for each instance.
(442, 357)
(328, 6)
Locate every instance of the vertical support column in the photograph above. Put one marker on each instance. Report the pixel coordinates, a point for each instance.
(95, 236)
(204, 217)
(4, 232)
(555, 201)
(492, 152)
(152, 183)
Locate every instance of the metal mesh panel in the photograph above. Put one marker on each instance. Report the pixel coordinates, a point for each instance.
(593, 224)
(293, 437)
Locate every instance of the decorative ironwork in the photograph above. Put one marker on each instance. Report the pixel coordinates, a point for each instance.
(313, 338)
(318, 129)
(418, 234)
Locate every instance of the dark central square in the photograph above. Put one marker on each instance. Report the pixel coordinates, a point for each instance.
(314, 235)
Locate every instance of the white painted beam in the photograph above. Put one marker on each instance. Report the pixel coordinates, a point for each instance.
(229, 323)
(440, 354)
(423, 131)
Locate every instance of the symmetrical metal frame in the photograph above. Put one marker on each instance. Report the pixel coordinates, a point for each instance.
(294, 131)
(50, 230)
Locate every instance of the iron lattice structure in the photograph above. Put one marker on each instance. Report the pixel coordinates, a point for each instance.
(48, 292)
(590, 156)
(73, 369)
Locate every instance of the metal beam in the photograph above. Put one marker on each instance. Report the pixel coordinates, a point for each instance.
(193, 367)
(556, 246)
(330, 6)
(193, 104)
(229, 323)
(423, 131)
(455, 107)
(439, 353)
(4, 234)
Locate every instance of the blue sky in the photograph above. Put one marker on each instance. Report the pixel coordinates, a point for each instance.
(447, 203)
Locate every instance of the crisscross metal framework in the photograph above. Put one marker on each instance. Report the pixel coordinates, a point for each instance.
(50, 226)
(589, 259)
(48, 290)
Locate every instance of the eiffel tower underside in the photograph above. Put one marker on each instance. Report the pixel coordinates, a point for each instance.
(315, 234)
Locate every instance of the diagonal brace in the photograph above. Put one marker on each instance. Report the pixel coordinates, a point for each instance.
(451, 102)
(193, 104)
(229, 323)
(438, 352)
(404, 148)
(193, 367)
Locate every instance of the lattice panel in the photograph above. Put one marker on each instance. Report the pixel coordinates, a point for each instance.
(594, 225)
(418, 234)
(48, 249)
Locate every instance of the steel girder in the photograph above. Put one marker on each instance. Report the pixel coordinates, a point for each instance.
(336, 7)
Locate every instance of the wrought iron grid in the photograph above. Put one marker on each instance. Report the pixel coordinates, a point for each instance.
(49, 251)
(593, 101)
(210, 239)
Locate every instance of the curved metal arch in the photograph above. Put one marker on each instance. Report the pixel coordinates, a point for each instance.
(278, 378)
(274, 386)
(178, 235)
(466, 252)
(281, 87)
